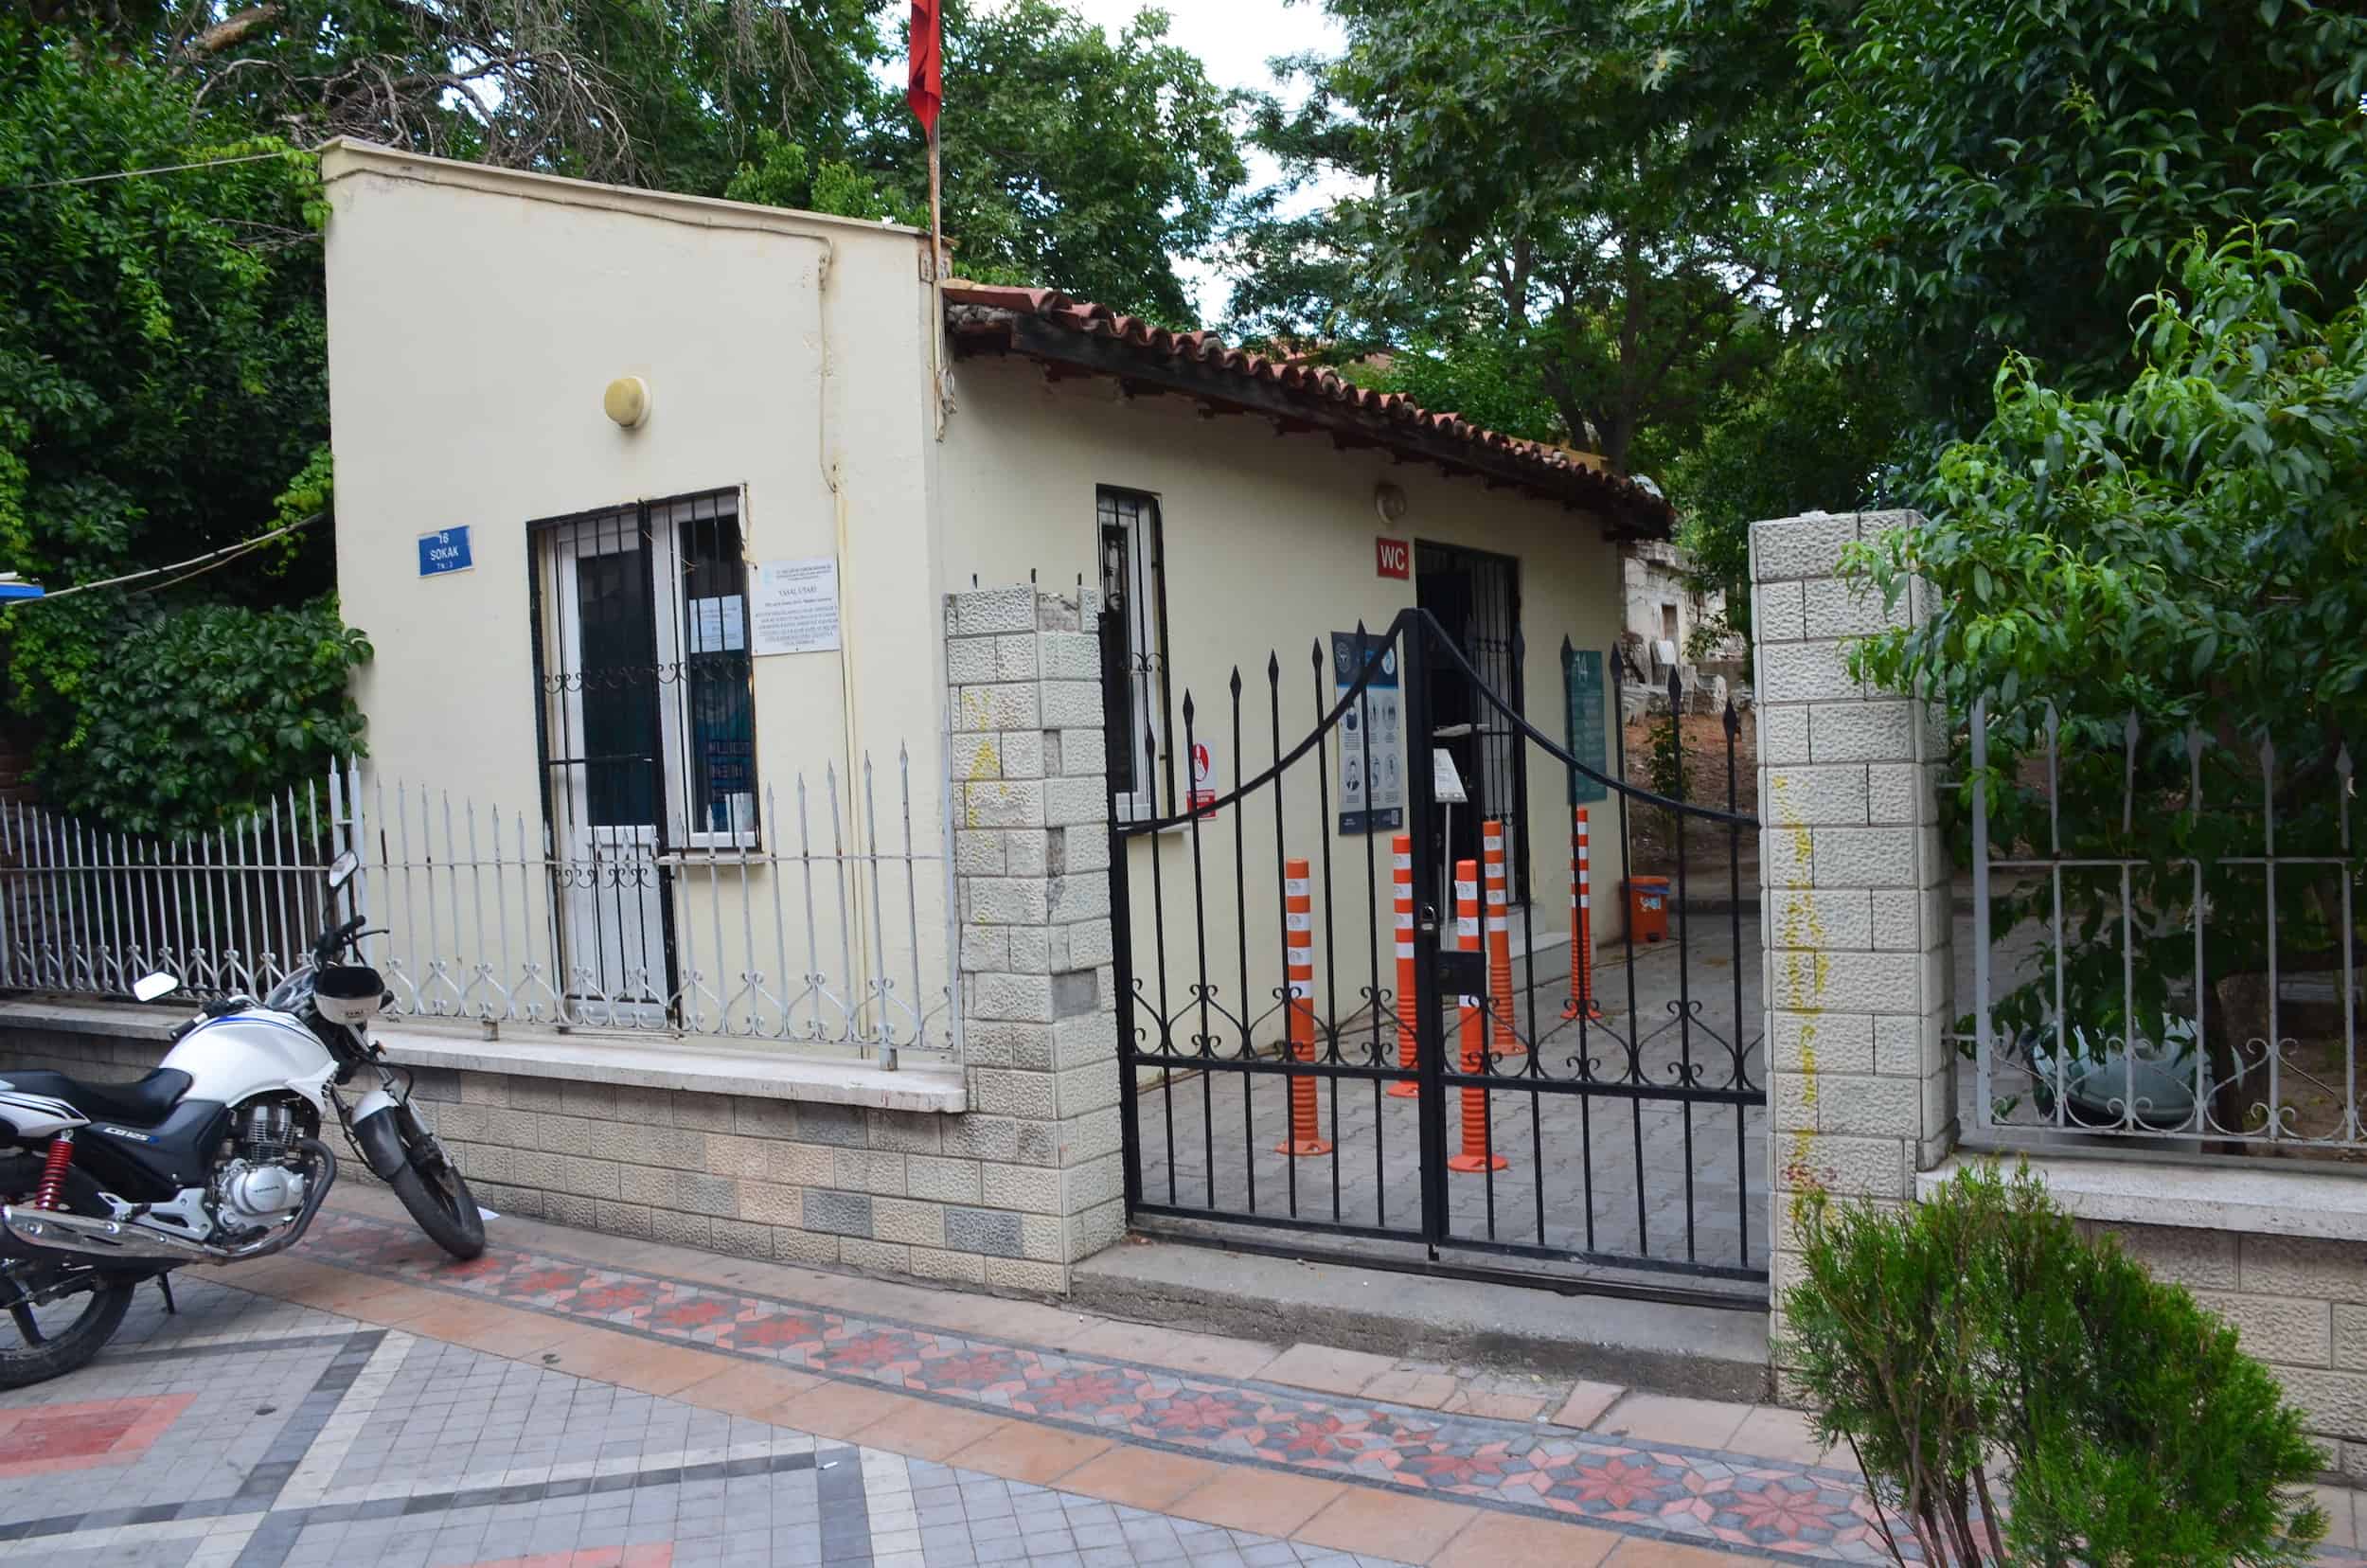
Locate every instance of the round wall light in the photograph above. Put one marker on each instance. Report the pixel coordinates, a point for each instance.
(1389, 500)
(627, 401)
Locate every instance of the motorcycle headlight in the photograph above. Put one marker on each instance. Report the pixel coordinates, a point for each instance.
(348, 993)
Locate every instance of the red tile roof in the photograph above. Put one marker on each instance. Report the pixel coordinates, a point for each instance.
(1049, 325)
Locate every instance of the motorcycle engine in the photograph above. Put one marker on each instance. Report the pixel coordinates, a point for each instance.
(253, 1186)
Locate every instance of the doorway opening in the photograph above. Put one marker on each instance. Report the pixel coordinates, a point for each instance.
(1475, 597)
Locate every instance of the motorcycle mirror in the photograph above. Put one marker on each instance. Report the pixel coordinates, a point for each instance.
(341, 870)
(156, 987)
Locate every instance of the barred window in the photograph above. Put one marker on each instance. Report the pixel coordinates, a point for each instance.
(1133, 588)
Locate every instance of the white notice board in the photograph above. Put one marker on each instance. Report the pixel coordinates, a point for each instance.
(794, 607)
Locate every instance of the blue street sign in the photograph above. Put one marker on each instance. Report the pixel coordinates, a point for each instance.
(446, 551)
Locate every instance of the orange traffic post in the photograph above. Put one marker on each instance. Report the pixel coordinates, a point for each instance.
(1581, 925)
(1502, 1039)
(1409, 1041)
(1298, 941)
(1478, 1153)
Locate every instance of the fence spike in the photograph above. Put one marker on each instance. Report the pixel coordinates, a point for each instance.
(2343, 806)
(2128, 777)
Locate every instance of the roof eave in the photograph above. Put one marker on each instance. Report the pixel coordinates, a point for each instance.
(987, 329)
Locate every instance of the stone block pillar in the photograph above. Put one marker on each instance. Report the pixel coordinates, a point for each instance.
(1862, 1078)
(1037, 982)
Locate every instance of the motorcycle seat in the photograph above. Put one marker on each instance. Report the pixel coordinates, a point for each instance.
(140, 1104)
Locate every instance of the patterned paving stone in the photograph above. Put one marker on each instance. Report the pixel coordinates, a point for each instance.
(1668, 1490)
(274, 1436)
(446, 1457)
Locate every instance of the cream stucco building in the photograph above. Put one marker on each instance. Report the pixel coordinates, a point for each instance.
(644, 408)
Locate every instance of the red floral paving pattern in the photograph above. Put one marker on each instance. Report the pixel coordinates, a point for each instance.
(1761, 1504)
(39, 1439)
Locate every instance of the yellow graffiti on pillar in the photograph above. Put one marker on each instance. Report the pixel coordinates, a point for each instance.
(1804, 979)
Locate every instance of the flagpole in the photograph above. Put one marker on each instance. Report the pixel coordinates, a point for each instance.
(937, 286)
(937, 212)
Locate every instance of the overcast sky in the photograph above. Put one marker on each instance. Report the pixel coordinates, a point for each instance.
(1235, 37)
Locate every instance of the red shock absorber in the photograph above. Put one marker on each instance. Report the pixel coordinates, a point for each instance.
(52, 1189)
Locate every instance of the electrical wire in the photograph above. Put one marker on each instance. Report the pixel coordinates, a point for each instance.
(162, 168)
(204, 563)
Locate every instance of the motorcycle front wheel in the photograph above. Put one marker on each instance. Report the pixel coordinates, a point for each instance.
(436, 1194)
(55, 1315)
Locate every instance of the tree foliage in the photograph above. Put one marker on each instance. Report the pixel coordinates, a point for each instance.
(1977, 1329)
(1808, 435)
(2180, 558)
(664, 93)
(1073, 159)
(2005, 175)
(162, 384)
(1581, 185)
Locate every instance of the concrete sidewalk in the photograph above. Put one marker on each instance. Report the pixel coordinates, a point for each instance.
(581, 1400)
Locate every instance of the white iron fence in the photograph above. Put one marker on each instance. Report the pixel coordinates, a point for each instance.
(829, 925)
(2175, 920)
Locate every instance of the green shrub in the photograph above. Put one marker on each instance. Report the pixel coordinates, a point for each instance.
(1978, 1334)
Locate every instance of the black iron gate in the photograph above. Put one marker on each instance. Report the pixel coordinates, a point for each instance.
(1532, 1110)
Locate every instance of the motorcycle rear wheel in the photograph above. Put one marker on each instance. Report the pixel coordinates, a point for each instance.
(436, 1195)
(45, 1335)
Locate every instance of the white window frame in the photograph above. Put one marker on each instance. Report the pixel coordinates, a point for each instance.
(677, 639)
(1129, 539)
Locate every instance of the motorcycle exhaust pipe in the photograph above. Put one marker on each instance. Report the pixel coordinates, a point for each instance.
(81, 1233)
(93, 1237)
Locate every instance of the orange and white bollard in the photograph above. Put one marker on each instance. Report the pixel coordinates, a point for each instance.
(1478, 1152)
(1409, 1037)
(1298, 941)
(1502, 1039)
(1581, 925)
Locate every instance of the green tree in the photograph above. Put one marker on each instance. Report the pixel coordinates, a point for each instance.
(1806, 435)
(2178, 559)
(1589, 183)
(162, 393)
(2008, 174)
(1979, 1328)
(1071, 160)
(670, 94)
(1489, 379)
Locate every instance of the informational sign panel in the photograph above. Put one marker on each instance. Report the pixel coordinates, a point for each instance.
(1372, 754)
(719, 625)
(794, 607)
(1393, 557)
(445, 551)
(1582, 680)
(1445, 783)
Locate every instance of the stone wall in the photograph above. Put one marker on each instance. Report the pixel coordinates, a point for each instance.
(1862, 1075)
(1862, 1078)
(939, 1196)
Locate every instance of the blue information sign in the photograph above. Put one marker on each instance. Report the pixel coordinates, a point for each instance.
(445, 551)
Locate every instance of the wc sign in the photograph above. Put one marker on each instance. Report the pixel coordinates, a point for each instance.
(1393, 557)
(1204, 799)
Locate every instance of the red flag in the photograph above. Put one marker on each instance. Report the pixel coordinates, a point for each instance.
(925, 88)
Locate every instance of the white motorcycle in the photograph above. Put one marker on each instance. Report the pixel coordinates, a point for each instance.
(214, 1157)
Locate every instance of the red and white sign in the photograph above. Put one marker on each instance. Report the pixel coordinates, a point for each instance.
(1393, 557)
(1204, 799)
